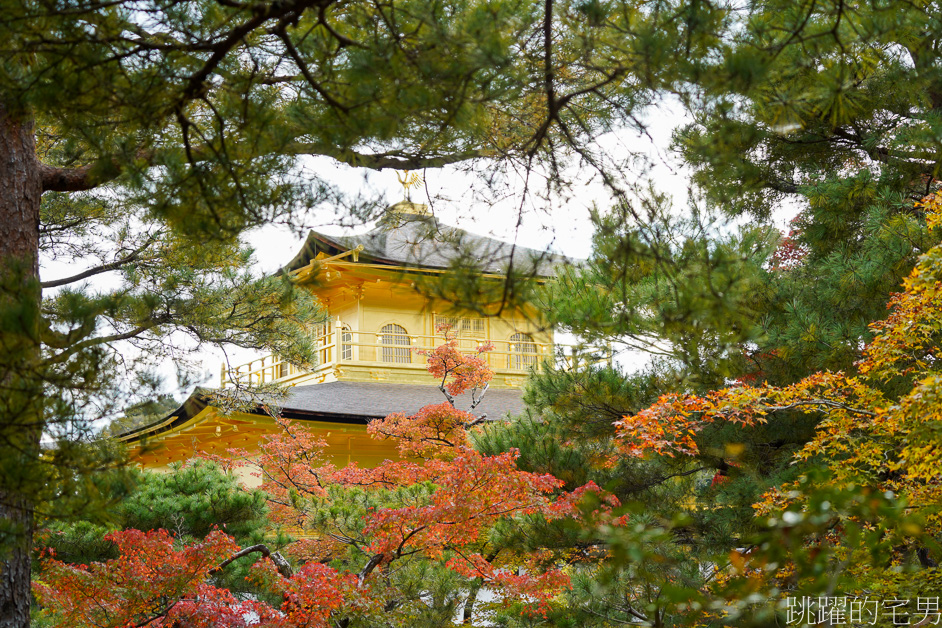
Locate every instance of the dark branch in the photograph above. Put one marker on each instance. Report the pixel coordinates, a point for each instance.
(86, 177)
(305, 71)
(133, 256)
(342, 40)
(67, 179)
(368, 569)
(283, 567)
(384, 161)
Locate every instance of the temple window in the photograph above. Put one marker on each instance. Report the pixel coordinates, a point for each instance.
(464, 327)
(322, 338)
(522, 352)
(346, 342)
(396, 342)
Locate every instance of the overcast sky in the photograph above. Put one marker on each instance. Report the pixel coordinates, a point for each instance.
(456, 198)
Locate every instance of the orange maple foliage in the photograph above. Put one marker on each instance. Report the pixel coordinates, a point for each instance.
(152, 583)
(433, 431)
(310, 595)
(465, 492)
(437, 502)
(865, 436)
(459, 372)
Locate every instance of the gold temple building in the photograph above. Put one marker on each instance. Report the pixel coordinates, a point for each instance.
(368, 363)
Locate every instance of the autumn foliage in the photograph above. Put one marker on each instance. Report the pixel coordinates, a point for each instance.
(437, 503)
(459, 372)
(152, 583)
(879, 429)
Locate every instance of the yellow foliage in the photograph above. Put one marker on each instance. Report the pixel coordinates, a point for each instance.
(866, 437)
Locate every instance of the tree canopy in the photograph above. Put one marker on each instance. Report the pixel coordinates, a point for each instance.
(139, 139)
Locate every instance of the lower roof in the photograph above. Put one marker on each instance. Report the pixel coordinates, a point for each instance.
(375, 401)
(345, 402)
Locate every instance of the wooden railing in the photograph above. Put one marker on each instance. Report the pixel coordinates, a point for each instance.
(338, 347)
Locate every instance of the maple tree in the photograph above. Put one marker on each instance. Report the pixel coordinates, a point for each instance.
(372, 537)
(879, 429)
(439, 508)
(150, 583)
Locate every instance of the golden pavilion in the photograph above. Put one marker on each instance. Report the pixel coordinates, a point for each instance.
(369, 365)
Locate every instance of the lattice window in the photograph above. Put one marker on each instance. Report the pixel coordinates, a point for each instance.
(396, 343)
(465, 327)
(346, 342)
(522, 352)
(322, 333)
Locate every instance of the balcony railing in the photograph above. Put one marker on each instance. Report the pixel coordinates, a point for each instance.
(340, 347)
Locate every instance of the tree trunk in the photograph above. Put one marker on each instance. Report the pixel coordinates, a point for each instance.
(20, 380)
(467, 614)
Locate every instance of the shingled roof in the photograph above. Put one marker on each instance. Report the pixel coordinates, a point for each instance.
(413, 238)
(347, 402)
(339, 400)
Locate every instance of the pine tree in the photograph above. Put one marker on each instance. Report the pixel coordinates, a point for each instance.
(831, 107)
(138, 140)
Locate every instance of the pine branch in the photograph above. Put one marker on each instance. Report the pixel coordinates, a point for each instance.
(67, 179)
(133, 256)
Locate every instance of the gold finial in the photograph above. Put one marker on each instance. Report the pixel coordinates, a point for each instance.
(409, 180)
